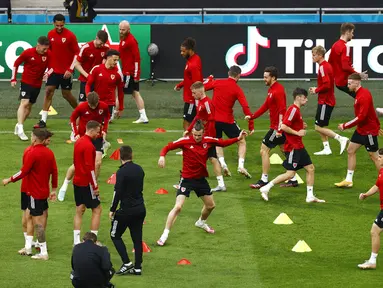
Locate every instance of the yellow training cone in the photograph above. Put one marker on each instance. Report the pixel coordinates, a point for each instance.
(283, 219)
(51, 111)
(301, 246)
(275, 159)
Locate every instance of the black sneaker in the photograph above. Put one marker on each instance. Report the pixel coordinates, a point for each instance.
(41, 124)
(135, 271)
(290, 184)
(125, 268)
(258, 185)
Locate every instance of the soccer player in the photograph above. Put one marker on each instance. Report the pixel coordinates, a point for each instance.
(130, 61)
(63, 47)
(106, 79)
(367, 128)
(225, 93)
(94, 110)
(91, 54)
(326, 102)
(340, 59)
(85, 186)
(39, 167)
(296, 154)
(192, 74)
(195, 153)
(377, 226)
(132, 211)
(35, 61)
(206, 113)
(275, 102)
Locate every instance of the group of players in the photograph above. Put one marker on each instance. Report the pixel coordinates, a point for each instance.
(204, 118)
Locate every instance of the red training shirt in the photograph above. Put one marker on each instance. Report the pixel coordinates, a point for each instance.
(365, 116)
(205, 112)
(130, 57)
(293, 119)
(195, 154)
(106, 81)
(35, 65)
(192, 74)
(24, 185)
(225, 93)
(64, 47)
(84, 157)
(86, 114)
(340, 61)
(90, 56)
(379, 183)
(39, 165)
(275, 102)
(325, 87)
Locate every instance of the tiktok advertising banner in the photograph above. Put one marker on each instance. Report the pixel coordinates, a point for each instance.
(253, 47)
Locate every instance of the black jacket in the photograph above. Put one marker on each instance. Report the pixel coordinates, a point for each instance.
(78, 15)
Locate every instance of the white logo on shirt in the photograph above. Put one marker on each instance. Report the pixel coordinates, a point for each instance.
(186, 67)
(44, 58)
(123, 43)
(100, 74)
(112, 76)
(204, 145)
(102, 54)
(33, 58)
(52, 39)
(191, 146)
(270, 95)
(91, 55)
(100, 111)
(63, 39)
(86, 113)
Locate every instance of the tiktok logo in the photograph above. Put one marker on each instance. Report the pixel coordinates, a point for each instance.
(254, 39)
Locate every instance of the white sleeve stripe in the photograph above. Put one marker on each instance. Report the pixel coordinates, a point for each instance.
(93, 69)
(71, 124)
(93, 178)
(321, 70)
(17, 174)
(135, 69)
(352, 121)
(207, 107)
(208, 137)
(180, 139)
(114, 196)
(292, 113)
(14, 73)
(347, 51)
(74, 61)
(83, 49)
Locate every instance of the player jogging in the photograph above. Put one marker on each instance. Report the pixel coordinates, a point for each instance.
(296, 154)
(195, 154)
(326, 102)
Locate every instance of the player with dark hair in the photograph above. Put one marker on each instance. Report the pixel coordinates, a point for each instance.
(131, 68)
(192, 74)
(340, 59)
(85, 186)
(132, 211)
(195, 154)
(367, 128)
(39, 167)
(296, 154)
(64, 48)
(326, 102)
(36, 61)
(377, 226)
(225, 93)
(94, 110)
(275, 102)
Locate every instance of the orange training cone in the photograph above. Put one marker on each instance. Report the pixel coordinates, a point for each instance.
(162, 191)
(184, 261)
(115, 155)
(145, 248)
(160, 130)
(112, 179)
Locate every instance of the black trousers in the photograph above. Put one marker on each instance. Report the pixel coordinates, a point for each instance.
(134, 220)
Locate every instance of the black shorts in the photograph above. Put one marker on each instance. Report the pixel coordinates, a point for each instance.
(29, 92)
(370, 142)
(82, 94)
(323, 115)
(296, 159)
(230, 130)
(58, 80)
(200, 186)
(85, 196)
(130, 85)
(212, 152)
(271, 140)
(24, 200)
(189, 112)
(37, 206)
(346, 90)
(379, 219)
(98, 143)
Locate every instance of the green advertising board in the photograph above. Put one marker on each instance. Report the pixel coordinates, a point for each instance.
(15, 39)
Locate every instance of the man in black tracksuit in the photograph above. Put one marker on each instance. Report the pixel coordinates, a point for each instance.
(132, 212)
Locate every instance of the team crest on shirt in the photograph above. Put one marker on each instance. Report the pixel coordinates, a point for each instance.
(100, 111)
(112, 76)
(123, 43)
(44, 58)
(204, 145)
(183, 189)
(102, 54)
(23, 93)
(295, 165)
(63, 39)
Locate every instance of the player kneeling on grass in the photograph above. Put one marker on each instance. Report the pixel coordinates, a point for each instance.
(377, 226)
(39, 166)
(195, 154)
(296, 154)
(94, 110)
